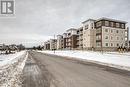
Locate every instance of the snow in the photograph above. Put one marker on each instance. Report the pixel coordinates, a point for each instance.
(113, 59)
(6, 59)
(11, 67)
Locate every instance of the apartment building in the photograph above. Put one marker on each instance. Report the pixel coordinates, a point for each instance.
(110, 34)
(53, 44)
(71, 40)
(103, 34)
(47, 45)
(59, 42)
(89, 34)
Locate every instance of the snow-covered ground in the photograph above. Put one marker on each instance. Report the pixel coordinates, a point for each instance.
(11, 67)
(113, 59)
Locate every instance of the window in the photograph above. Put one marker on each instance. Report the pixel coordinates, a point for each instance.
(107, 44)
(77, 32)
(106, 23)
(122, 25)
(98, 24)
(92, 25)
(106, 37)
(111, 44)
(126, 33)
(98, 30)
(98, 37)
(117, 24)
(111, 31)
(126, 39)
(117, 44)
(106, 30)
(117, 31)
(86, 27)
(112, 24)
(98, 44)
(125, 44)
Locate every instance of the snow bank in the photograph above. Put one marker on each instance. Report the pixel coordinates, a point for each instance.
(11, 67)
(6, 59)
(118, 60)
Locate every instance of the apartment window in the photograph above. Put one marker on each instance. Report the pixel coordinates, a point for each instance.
(126, 44)
(117, 24)
(107, 44)
(92, 25)
(98, 37)
(117, 44)
(112, 24)
(122, 25)
(111, 31)
(98, 30)
(106, 23)
(126, 39)
(106, 30)
(77, 32)
(98, 24)
(98, 44)
(111, 44)
(122, 38)
(126, 33)
(117, 31)
(86, 27)
(106, 37)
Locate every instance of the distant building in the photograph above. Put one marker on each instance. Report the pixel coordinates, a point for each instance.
(71, 41)
(59, 42)
(53, 44)
(47, 45)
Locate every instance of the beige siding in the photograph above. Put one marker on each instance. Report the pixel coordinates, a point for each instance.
(112, 37)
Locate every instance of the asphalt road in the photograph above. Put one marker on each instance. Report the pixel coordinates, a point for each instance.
(43, 70)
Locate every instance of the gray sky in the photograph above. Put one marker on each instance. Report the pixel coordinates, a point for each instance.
(38, 20)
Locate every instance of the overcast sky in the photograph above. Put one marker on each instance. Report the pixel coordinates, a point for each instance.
(35, 21)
